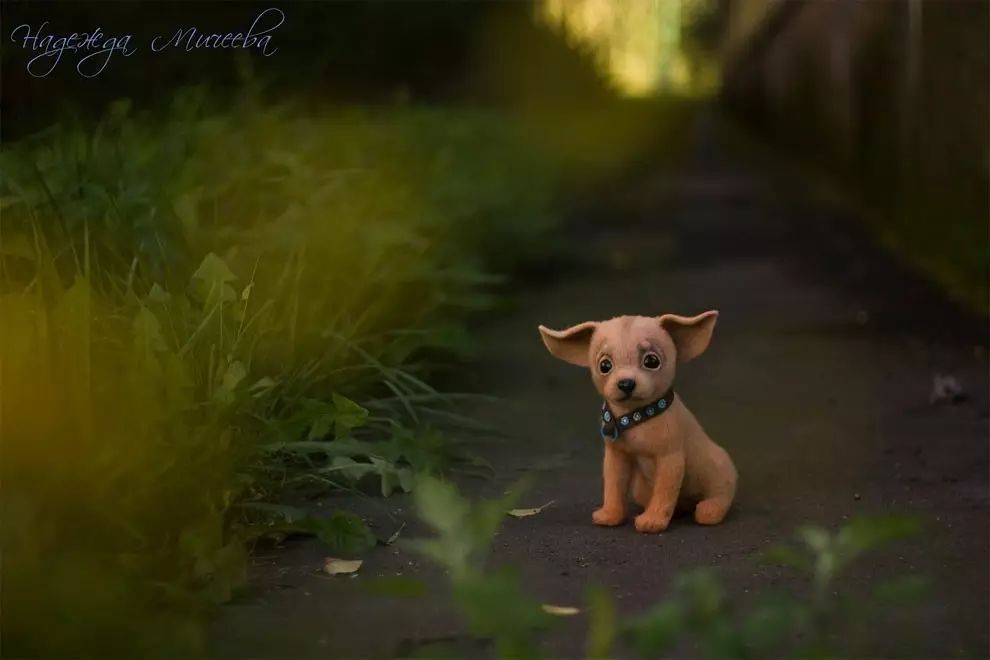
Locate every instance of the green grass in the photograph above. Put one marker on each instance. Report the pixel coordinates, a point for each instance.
(212, 312)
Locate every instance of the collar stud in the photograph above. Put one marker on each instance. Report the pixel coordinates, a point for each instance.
(612, 427)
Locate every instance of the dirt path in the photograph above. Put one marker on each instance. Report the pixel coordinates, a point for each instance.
(817, 383)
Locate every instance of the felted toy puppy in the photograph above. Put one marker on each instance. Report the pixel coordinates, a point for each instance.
(655, 449)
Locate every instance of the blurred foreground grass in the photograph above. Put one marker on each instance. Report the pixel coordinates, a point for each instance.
(697, 617)
(208, 312)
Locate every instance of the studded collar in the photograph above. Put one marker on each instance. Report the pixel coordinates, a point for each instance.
(613, 427)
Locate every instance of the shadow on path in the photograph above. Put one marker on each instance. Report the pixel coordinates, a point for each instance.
(817, 383)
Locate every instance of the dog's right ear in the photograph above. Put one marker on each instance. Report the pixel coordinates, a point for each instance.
(570, 345)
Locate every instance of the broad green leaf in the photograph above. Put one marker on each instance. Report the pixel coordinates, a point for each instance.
(407, 479)
(387, 475)
(213, 269)
(392, 476)
(211, 282)
(816, 538)
(317, 416)
(496, 606)
(343, 532)
(351, 469)
(321, 426)
(262, 386)
(347, 415)
(157, 294)
(235, 373)
(147, 332)
(440, 505)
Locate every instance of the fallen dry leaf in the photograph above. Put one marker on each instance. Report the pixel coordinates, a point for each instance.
(395, 537)
(332, 566)
(560, 610)
(524, 513)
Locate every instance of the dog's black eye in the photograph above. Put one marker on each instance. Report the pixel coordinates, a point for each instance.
(651, 361)
(605, 366)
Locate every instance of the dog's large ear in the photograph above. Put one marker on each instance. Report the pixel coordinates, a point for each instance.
(570, 345)
(690, 334)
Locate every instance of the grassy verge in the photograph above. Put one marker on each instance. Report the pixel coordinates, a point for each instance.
(208, 312)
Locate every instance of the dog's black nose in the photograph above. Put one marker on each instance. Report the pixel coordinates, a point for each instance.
(627, 385)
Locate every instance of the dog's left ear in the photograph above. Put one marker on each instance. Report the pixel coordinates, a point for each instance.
(570, 345)
(691, 335)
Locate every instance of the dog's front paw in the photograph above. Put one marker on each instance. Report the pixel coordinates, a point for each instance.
(607, 517)
(651, 523)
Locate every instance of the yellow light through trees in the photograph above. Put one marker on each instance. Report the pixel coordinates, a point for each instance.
(637, 43)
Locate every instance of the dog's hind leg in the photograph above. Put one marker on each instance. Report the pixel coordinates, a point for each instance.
(712, 510)
(719, 488)
(641, 488)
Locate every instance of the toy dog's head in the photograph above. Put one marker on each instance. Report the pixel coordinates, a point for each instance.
(632, 358)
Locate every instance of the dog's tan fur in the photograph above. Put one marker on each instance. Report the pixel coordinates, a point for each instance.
(668, 462)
